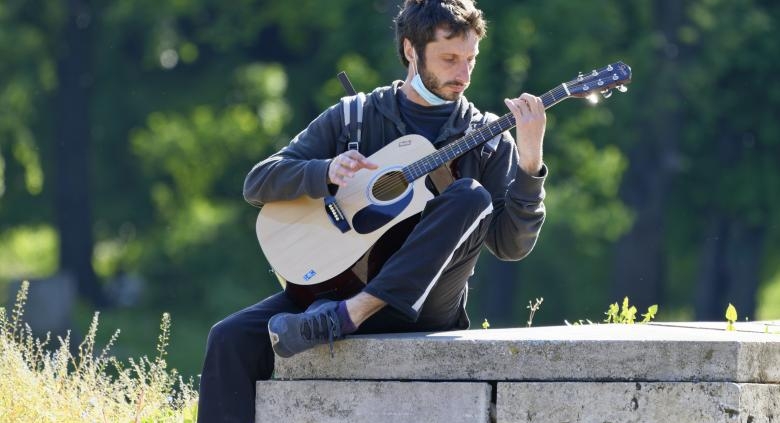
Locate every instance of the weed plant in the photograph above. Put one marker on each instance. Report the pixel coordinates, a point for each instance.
(43, 384)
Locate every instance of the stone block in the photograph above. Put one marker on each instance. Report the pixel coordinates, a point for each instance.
(637, 402)
(323, 401)
(640, 352)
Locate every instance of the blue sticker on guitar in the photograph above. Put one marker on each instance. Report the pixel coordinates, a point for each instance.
(310, 274)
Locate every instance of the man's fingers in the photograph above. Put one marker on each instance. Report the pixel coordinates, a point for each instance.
(368, 164)
(347, 162)
(513, 106)
(524, 104)
(344, 166)
(359, 161)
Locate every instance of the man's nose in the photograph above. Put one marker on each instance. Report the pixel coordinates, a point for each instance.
(464, 72)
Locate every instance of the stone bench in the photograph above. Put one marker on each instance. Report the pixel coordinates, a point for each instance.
(682, 372)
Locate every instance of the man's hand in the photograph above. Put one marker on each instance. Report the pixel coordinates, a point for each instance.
(343, 167)
(528, 111)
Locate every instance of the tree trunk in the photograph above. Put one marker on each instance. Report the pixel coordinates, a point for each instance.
(72, 138)
(640, 264)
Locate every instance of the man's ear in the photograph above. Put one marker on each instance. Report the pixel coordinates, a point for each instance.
(409, 52)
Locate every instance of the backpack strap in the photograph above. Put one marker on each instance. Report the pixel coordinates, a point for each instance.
(352, 106)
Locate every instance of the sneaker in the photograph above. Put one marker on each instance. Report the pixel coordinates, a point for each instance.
(294, 333)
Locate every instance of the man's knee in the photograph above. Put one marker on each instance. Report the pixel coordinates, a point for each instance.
(226, 332)
(469, 192)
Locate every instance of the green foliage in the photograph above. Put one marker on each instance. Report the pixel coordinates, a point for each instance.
(27, 68)
(29, 251)
(626, 313)
(650, 315)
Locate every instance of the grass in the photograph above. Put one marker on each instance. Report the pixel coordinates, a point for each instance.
(41, 383)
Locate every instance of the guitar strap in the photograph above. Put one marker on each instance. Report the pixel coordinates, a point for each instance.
(353, 119)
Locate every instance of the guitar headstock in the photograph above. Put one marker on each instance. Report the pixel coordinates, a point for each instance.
(615, 75)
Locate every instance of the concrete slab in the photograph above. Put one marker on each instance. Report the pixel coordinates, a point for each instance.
(372, 401)
(667, 352)
(637, 402)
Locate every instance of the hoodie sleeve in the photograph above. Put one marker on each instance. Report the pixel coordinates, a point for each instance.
(518, 207)
(301, 167)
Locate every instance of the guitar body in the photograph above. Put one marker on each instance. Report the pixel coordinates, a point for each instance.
(305, 247)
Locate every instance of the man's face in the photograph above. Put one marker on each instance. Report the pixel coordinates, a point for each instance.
(446, 68)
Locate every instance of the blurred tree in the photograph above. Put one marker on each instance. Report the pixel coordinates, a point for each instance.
(72, 135)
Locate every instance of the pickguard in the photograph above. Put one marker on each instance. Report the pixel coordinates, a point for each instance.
(374, 216)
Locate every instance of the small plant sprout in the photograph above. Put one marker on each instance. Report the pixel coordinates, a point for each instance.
(627, 313)
(731, 317)
(485, 324)
(613, 313)
(533, 307)
(650, 315)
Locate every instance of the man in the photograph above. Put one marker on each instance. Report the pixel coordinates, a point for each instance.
(496, 202)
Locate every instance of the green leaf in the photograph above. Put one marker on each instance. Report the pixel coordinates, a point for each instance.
(731, 313)
(612, 313)
(731, 317)
(650, 315)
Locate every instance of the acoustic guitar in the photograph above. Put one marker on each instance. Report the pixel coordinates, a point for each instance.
(315, 244)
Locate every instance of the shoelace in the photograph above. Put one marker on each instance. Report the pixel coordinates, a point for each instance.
(320, 326)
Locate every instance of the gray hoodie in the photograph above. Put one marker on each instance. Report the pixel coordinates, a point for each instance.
(301, 168)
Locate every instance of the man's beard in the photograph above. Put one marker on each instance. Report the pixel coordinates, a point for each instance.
(432, 83)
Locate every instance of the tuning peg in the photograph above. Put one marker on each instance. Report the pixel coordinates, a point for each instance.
(606, 93)
(622, 88)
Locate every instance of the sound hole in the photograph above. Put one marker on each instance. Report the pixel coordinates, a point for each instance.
(389, 186)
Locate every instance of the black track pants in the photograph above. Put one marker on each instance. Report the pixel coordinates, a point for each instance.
(424, 282)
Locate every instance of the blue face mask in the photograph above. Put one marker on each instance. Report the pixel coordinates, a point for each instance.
(425, 93)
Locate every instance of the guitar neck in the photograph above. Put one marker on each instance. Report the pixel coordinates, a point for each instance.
(476, 138)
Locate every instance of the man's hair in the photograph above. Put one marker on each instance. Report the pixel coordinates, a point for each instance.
(418, 21)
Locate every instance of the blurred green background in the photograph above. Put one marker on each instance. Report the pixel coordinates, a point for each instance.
(127, 127)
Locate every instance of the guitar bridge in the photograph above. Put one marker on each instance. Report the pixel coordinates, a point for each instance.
(336, 215)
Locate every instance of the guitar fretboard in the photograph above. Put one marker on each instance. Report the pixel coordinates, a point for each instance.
(475, 138)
